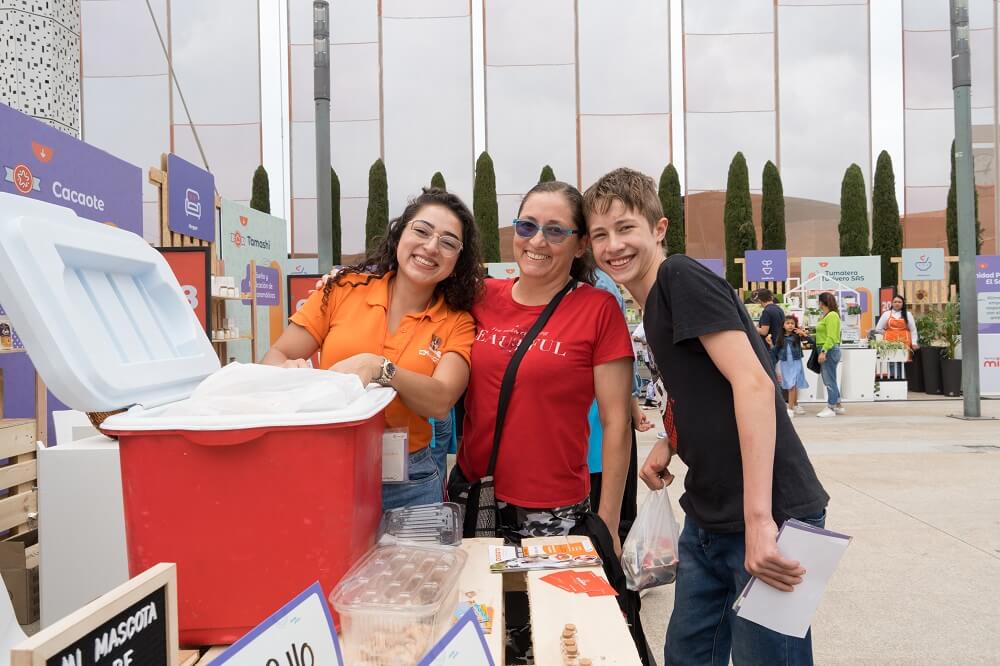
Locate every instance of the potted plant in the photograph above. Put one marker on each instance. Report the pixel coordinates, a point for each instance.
(854, 309)
(951, 333)
(928, 329)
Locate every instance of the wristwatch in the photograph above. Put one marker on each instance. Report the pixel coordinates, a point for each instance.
(384, 377)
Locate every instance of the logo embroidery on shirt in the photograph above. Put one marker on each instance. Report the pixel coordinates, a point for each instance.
(434, 350)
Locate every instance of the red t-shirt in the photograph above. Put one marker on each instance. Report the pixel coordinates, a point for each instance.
(543, 454)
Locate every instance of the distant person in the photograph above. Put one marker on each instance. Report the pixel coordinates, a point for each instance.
(771, 319)
(788, 369)
(897, 325)
(828, 342)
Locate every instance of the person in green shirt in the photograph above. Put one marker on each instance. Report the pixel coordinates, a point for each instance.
(828, 342)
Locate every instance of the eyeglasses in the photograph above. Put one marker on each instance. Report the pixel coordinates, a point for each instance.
(553, 232)
(449, 245)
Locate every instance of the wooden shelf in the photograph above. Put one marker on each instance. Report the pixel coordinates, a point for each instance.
(12, 351)
(231, 298)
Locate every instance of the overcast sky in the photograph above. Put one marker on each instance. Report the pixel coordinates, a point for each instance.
(886, 90)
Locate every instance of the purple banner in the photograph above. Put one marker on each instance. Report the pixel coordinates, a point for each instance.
(268, 286)
(40, 162)
(767, 265)
(717, 266)
(191, 191)
(988, 292)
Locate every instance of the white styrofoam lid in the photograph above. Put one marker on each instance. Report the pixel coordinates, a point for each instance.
(99, 311)
(137, 419)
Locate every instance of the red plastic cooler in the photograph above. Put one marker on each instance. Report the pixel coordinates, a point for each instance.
(252, 509)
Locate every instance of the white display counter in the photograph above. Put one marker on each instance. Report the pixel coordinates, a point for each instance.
(855, 377)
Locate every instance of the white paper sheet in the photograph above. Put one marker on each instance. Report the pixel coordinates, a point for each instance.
(790, 613)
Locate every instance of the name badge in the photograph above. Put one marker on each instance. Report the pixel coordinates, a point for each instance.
(395, 456)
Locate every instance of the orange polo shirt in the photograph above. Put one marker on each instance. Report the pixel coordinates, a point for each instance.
(355, 322)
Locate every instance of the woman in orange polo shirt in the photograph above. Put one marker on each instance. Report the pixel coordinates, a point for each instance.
(400, 318)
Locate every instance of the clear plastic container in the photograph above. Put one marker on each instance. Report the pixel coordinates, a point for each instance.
(437, 524)
(396, 602)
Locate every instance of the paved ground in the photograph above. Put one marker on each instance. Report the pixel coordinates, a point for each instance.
(920, 494)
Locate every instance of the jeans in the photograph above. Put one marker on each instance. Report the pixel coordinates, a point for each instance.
(425, 485)
(829, 374)
(442, 443)
(704, 628)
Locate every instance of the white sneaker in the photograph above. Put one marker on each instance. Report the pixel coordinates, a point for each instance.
(791, 413)
(839, 410)
(826, 413)
(799, 409)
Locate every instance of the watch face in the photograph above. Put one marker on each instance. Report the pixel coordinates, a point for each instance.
(390, 369)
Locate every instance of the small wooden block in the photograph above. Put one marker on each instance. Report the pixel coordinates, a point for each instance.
(212, 654)
(188, 657)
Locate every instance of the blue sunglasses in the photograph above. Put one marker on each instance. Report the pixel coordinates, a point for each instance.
(553, 232)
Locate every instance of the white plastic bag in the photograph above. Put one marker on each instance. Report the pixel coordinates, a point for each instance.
(242, 388)
(649, 554)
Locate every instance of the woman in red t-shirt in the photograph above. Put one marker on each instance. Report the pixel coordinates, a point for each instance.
(542, 480)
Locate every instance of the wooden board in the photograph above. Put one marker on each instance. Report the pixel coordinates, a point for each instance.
(16, 509)
(488, 588)
(17, 437)
(18, 473)
(188, 657)
(211, 655)
(602, 634)
(64, 634)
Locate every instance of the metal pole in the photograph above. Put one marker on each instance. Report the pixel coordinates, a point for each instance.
(962, 83)
(321, 96)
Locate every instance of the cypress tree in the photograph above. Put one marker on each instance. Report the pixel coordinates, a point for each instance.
(377, 221)
(260, 197)
(546, 176)
(772, 209)
(951, 221)
(673, 210)
(484, 208)
(737, 218)
(437, 180)
(853, 225)
(335, 235)
(887, 234)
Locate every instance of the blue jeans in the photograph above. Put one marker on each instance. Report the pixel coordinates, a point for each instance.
(829, 374)
(442, 442)
(703, 627)
(425, 485)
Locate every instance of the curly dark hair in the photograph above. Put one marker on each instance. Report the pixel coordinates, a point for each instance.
(461, 289)
(582, 268)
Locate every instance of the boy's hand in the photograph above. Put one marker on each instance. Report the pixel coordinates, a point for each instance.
(763, 559)
(654, 472)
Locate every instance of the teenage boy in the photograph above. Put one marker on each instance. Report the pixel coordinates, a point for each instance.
(771, 319)
(747, 469)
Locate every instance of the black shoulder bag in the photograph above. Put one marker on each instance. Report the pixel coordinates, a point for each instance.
(481, 512)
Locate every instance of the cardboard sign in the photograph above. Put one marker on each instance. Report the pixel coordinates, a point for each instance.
(193, 270)
(136, 623)
(925, 263)
(463, 645)
(300, 634)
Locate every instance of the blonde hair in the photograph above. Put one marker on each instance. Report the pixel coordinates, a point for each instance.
(635, 190)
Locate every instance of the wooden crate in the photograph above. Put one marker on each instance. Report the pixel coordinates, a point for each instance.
(18, 475)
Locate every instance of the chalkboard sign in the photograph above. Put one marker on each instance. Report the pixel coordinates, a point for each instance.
(133, 625)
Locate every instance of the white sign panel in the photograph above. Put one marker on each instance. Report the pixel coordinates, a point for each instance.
(924, 263)
(301, 633)
(989, 363)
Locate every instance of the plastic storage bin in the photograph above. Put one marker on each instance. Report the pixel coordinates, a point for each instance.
(396, 602)
(252, 510)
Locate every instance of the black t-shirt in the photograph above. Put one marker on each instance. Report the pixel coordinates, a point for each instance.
(774, 318)
(688, 301)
